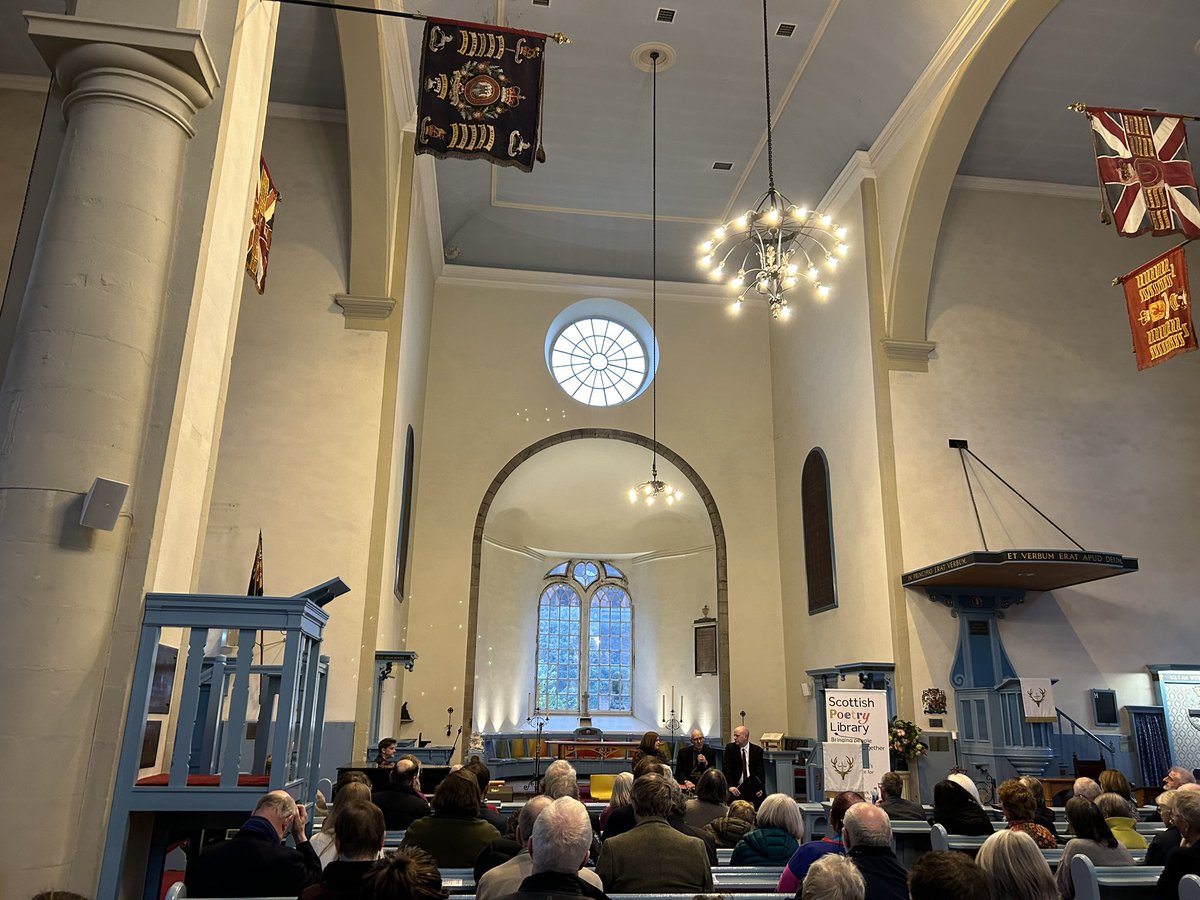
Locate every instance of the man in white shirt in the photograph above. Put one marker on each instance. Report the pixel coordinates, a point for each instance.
(743, 766)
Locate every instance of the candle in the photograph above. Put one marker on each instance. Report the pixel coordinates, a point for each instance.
(681, 709)
(672, 698)
(531, 704)
(664, 715)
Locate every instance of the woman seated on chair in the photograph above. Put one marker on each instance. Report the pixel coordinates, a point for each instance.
(1093, 839)
(649, 746)
(323, 840)
(1115, 809)
(709, 802)
(958, 812)
(622, 795)
(1113, 781)
(453, 834)
(1016, 867)
(1018, 804)
(778, 832)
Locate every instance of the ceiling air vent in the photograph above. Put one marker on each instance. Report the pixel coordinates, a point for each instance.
(785, 29)
(722, 166)
(541, 2)
(665, 15)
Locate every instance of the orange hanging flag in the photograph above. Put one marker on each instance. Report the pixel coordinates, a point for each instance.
(262, 222)
(1158, 301)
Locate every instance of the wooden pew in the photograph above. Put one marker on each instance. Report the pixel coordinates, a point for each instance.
(1189, 887)
(1113, 882)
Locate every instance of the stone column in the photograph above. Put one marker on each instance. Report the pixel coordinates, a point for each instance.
(74, 403)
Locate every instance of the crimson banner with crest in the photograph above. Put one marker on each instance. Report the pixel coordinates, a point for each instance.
(481, 93)
(1145, 175)
(1160, 315)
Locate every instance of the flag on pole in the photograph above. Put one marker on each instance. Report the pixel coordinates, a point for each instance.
(255, 588)
(262, 222)
(1160, 314)
(481, 93)
(1146, 178)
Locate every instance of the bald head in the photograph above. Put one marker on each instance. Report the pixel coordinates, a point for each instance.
(1087, 788)
(866, 825)
(533, 808)
(741, 735)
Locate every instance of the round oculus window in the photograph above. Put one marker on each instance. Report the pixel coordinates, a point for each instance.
(598, 362)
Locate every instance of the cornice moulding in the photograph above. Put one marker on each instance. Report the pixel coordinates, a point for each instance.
(306, 113)
(908, 356)
(37, 84)
(1017, 186)
(603, 285)
(364, 307)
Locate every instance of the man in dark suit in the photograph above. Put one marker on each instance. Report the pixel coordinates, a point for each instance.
(742, 764)
(255, 862)
(693, 760)
(867, 835)
(892, 802)
(400, 802)
(654, 857)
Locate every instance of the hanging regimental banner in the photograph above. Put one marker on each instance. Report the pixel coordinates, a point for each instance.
(1146, 178)
(1037, 700)
(1160, 313)
(262, 224)
(481, 93)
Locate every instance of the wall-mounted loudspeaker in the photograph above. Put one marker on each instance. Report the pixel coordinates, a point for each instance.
(103, 504)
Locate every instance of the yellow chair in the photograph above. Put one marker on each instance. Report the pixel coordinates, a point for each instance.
(600, 787)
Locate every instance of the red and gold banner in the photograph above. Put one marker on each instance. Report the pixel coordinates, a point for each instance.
(1160, 317)
(262, 223)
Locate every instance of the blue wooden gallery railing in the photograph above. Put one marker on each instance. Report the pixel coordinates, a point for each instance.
(207, 773)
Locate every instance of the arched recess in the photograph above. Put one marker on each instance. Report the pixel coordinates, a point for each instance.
(962, 104)
(714, 517)
(373, 142)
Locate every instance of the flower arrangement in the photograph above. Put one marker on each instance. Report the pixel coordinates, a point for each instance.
(903, 739)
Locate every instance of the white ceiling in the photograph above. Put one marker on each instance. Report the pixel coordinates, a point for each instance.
(836, 82)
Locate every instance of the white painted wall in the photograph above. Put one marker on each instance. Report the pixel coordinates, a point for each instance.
(821, 369)
(487, 366)
(1033, 366)
(297, 453)
(21, 113)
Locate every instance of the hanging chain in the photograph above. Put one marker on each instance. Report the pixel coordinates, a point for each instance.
(767, 74)
(654, 265)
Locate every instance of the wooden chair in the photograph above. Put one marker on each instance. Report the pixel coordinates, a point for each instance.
(1088, 768)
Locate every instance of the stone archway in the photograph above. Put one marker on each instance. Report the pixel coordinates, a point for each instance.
(714, 516)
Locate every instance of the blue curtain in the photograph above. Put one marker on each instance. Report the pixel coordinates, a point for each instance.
(1150, 729)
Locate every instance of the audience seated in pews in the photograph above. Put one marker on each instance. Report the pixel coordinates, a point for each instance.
(1042, 814)
(407, 874)
(622, 818)
(559, 847)
(1113, 781)
(653, 857)
(1093, 839)
(323, 842)
(833, 877)
(947, 876)
(563, 781)
(1166, 842)
(1176, 777)
(359, 841)
(892, 802)
(321, 804)
(958, 811)
(1018, 805)
(503, 881)
(255, 861)
(401, 800)
(1186, 859)
(808, 853)
(778, 832)
(621, 789)
(1115, 809)
(483, 775)
(505, 848)
(867, 833)
(1016, 868)
(453, 834)
(730, 828)
(709, 802)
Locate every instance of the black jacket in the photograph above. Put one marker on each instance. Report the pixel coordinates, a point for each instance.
(401, 806)
(1164, 844)
(557, 884)
(969, 820)
(620, 820)
(731, 766)
(251, 864)
(886, 879)
(1184, 861)
(341, 880)
(686, 767)
(677, 822)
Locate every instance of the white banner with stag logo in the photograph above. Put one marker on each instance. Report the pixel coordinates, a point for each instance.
(1037, 698)
(852, 717)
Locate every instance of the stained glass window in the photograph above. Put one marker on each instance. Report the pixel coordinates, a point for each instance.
(596, 655)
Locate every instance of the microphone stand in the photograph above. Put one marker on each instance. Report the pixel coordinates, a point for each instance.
(539, 721)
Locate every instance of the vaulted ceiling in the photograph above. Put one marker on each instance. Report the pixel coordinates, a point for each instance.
(836, 82)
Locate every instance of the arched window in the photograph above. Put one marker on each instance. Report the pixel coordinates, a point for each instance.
(585, 667)
(818, 533)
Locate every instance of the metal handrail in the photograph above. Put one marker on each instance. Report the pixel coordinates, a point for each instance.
(1099, 740)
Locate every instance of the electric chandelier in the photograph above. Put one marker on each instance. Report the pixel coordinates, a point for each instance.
(655, 488)
(768, 249)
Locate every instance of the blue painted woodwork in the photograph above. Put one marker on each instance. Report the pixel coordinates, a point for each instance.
(208, 730)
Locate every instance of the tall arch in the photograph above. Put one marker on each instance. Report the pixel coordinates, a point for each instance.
(714, 516)
(958, 113)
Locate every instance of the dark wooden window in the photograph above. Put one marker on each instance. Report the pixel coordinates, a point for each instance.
(818, 533)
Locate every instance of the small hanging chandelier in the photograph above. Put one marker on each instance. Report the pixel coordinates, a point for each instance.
(768, 249)
(655, 488)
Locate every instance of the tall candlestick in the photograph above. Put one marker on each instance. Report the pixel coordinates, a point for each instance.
(531, 704)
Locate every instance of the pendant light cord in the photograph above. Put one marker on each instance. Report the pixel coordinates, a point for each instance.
(654, 263)
(767, 76)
